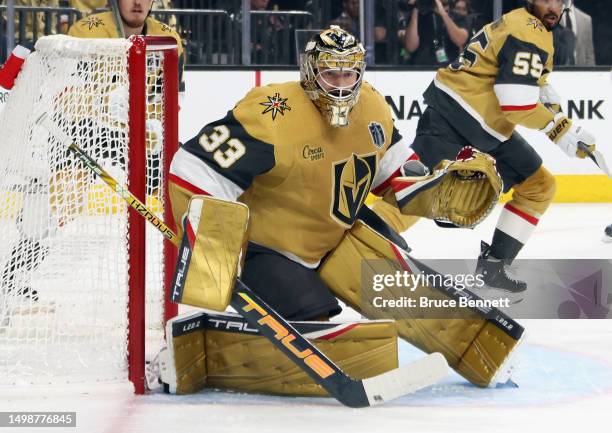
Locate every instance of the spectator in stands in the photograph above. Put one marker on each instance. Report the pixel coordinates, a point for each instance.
(88, 6)
(580, 25)
(135, 20)
(564, 42)
(349, 20)
(289, 5)
(84, 6)
(434, 35)
(264, 29)
(404, 11)
(34, 26)
(272, 21)
(461, 8)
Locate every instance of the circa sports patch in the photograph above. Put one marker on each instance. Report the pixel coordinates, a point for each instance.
(275, 104)
(377, 133)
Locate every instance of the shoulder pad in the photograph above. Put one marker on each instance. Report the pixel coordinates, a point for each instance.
(274, 112)
(157, 28)
(266, 109)
(369, 93)
(524, 26)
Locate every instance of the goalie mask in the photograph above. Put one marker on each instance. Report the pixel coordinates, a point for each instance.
(331, 73)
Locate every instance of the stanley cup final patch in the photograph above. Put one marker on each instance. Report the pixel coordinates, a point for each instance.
(377, 133)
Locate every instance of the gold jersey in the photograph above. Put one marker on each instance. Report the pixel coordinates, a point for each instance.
(102, 26)
(303, 180)
(495, 83)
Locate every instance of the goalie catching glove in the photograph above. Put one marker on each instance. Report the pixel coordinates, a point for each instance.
(461, 192)
(566, 134)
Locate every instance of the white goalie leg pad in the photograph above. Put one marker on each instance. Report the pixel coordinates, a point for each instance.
(167, 369)
(181, 366)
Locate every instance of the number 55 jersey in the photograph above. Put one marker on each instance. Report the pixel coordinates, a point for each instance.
(303, 180)
(495, 83)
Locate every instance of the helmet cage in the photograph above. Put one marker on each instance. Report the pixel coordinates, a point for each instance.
(319, 63)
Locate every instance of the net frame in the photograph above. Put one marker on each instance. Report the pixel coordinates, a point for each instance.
(137, 113)
(133, 322)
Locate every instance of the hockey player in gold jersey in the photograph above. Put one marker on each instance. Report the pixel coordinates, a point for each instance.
(498, 82)
(136, 21)
(303, 156)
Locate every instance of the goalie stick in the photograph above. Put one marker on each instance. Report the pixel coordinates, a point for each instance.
(348, 391)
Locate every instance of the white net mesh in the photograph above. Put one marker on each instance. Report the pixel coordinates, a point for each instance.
(63, 255)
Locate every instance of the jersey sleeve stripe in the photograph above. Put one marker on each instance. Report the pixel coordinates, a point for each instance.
(389, 166)
(196, 172)
(517, 95)
(383, 186)
(518, 107)
(186, 185)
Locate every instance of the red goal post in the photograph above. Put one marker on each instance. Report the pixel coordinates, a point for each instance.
(137, 69)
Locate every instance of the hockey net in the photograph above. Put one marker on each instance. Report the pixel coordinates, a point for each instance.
(81, 278)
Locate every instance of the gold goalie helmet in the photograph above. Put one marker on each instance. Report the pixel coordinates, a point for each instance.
(331, 73)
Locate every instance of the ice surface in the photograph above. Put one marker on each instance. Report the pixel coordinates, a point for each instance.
(565, 374)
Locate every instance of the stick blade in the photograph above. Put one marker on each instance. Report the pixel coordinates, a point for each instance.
(596, 157)
(601, 162)
(407, 379)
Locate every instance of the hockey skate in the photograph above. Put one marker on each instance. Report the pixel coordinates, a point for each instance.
(497, 282)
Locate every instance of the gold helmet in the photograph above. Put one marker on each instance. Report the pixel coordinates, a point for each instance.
(331, 73)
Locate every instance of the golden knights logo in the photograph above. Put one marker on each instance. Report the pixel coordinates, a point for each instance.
(276, 104)
(535, 23)
(352, 179)
(93, 21)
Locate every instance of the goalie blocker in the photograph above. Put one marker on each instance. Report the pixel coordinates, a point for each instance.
(207, 269)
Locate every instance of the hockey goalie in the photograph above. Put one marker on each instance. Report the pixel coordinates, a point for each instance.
(302, 157)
